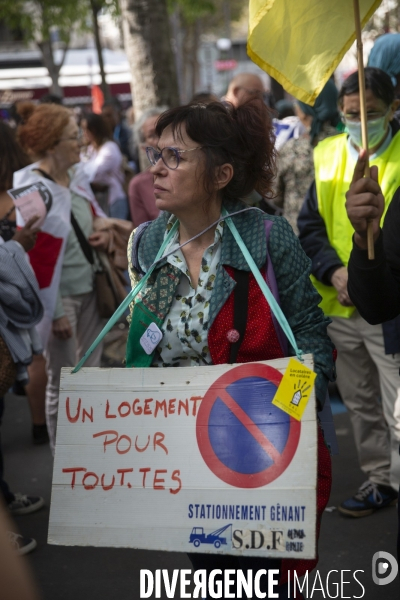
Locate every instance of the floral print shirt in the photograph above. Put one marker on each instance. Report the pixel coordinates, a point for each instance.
(185, 329)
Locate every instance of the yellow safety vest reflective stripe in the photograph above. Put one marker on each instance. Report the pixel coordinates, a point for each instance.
(334, 169)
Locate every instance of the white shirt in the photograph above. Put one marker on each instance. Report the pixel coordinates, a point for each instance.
(104, 166)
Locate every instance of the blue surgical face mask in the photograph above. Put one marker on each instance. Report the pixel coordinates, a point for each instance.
(376, 131)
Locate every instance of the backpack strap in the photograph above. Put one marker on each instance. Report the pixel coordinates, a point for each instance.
(84, 244)
(271, 279)
(240, 309)
(275, 308)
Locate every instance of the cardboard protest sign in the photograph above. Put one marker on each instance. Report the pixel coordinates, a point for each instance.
(32, 200)
(188, 460)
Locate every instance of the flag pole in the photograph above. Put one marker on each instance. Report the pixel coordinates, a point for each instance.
(363, 113)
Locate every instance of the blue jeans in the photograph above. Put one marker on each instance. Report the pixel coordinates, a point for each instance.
(4, 489)
(119, 209)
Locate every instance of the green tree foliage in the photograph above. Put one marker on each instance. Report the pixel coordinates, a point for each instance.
(212, 13)
(192, 10)
(40, 19)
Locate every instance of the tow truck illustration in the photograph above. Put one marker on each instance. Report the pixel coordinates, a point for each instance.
(198, 537)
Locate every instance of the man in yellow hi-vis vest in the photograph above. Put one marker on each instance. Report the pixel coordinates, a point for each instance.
(368, 355)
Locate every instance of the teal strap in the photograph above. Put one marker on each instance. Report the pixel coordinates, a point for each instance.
(276, 309)
(130, 297)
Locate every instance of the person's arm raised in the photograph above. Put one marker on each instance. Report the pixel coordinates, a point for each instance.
(364, 202)
(374, 285)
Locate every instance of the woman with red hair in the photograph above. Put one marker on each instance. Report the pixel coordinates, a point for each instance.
(71, 322)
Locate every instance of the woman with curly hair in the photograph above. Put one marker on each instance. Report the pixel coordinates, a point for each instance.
(71, 321)
(205, 301)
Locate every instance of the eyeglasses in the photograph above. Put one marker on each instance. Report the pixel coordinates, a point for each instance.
(356, 117)
(170, 156)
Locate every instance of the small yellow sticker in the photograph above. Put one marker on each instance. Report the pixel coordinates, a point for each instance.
(294, 389)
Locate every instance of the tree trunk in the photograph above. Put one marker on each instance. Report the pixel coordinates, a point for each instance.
(53, 69)
(104, 86)
(195, 52)
(148, 46)
(190, 51)
(187, 73)
(177, 34)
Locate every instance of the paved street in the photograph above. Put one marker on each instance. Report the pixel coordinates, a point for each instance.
(66, 573)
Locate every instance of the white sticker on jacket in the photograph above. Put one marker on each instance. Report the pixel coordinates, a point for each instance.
(151, 338)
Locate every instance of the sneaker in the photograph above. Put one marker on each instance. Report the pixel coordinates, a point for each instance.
(369, 498)
(20, 544)
(22, 505)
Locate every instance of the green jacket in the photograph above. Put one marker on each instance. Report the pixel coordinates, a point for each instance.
(298, 298)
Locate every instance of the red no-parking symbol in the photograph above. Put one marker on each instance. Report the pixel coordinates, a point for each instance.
(243, 438)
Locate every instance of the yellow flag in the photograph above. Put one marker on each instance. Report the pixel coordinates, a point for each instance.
(301, 42)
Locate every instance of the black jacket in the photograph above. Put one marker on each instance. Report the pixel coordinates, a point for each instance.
(314, 239)
(374, 285)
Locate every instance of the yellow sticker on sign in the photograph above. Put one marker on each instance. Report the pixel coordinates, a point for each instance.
(294, 389)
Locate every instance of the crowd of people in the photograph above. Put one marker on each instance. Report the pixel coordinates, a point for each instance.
(101, 179)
